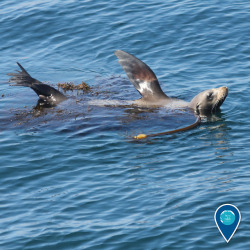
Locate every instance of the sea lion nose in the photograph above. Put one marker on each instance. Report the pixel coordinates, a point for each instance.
(224, 89)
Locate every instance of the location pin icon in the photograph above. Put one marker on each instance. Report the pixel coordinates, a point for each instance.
(227, 218)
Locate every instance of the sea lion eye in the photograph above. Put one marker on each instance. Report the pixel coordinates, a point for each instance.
(210, 95)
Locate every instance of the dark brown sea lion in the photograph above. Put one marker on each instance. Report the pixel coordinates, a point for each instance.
(143, 79)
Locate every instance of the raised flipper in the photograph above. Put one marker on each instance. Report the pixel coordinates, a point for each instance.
(46, 93)
(142, 77)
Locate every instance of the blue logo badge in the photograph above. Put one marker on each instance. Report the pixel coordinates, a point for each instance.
(227, 218)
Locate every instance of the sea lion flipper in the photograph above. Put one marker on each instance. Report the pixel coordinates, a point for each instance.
(44, 91)
(140, 74)
(22, 78)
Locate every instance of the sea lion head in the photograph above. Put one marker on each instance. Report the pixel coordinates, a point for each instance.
(209, 100)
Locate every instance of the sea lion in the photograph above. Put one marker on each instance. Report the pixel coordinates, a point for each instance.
(143, 79)
(146, 82)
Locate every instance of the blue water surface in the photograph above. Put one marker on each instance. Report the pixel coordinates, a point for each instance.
(72, 177)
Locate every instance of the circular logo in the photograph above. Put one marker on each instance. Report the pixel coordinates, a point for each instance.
(227, 217)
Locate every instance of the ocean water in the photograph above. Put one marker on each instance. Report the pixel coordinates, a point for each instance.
(72, 177)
